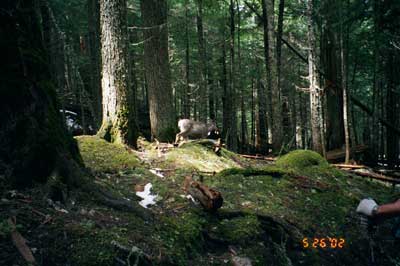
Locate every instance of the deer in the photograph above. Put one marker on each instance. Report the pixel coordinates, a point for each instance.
(196, 130)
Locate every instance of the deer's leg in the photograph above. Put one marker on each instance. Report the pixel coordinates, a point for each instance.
(178, 136)
(183, 135)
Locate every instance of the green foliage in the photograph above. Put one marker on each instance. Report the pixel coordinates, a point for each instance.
(301, 159)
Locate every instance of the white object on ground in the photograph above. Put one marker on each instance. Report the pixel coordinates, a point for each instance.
(157, 172)
(148, 198)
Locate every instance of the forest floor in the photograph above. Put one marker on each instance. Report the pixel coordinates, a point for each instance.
(268, 210)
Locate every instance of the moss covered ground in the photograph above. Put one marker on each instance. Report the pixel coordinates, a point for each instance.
(268, 210)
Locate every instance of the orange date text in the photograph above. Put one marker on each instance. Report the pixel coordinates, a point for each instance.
(323, 243)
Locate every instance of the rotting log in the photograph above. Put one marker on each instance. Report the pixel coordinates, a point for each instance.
(209, 198)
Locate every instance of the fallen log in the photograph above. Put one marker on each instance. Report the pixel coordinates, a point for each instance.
(209, 198)
(348, 166)
(376, 176)
(335, 155)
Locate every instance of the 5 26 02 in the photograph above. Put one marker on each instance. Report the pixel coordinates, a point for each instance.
(328, 242)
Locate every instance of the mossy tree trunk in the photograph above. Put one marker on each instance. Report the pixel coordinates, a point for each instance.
(118, 123)
(34, 142)
(158, 76)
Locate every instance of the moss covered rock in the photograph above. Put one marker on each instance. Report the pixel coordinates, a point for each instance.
(300, 159)
(103, 156)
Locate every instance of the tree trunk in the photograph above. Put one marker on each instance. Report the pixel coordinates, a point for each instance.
(119, 123)
(343, 54)
(158, 75)
(330, 48)
(211, 90)
(226, 107)
(285, 97)
(203, 63)
(33, 139)
(186, 93)
(315, 90)
(232, 139)
(272, 81)
(95, 64)
(243, 122)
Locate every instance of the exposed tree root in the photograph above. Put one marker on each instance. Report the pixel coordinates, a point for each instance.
(111, 201)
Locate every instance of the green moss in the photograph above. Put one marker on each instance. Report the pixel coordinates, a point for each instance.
(85, 253)
(102, 156)
(239, 230)
(300, 159)
(269, 170)
(198, 157)
(182, 237)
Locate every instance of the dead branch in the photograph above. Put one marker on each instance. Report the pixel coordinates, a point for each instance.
(20, 243)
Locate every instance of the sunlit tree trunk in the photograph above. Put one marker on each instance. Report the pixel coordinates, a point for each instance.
(118, 121)
(344, 88)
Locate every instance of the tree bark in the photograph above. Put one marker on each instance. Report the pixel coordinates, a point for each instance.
(232, 139)
(243, 122)
(158, 75)
(203, 95)
(95, 59)
(315, 90)
(343, 54)
(272, 81)
(34, 142)
(118, 123)
(226, 107)
(330, 55)
(186, 93)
